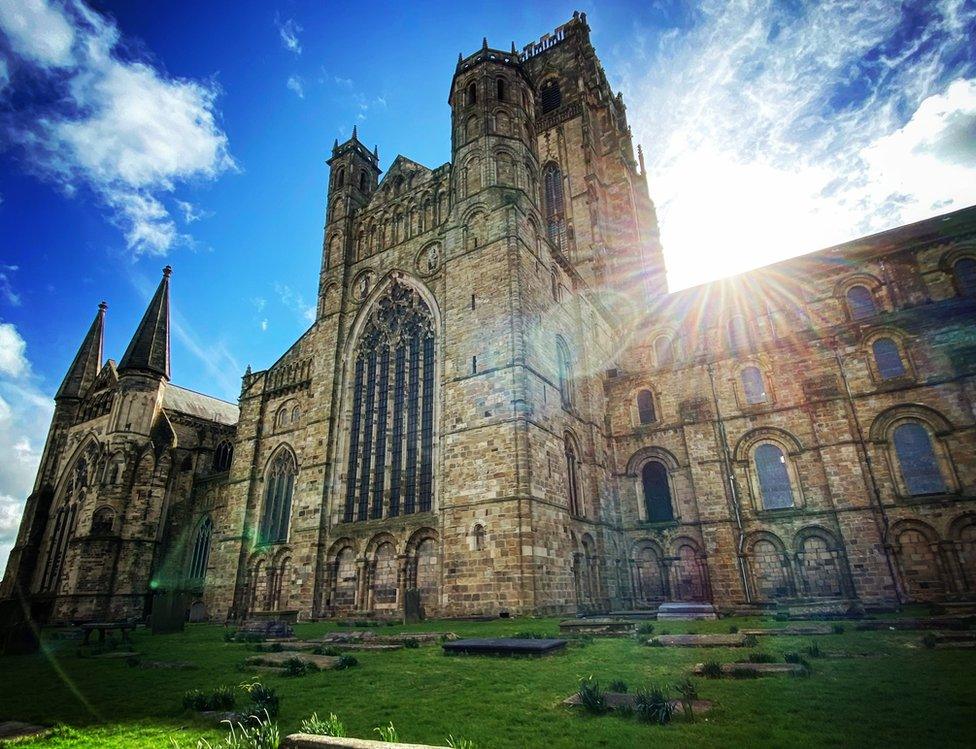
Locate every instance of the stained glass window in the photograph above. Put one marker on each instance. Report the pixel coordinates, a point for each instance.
(752, 385)
(919, 466)
(887, 358)
(201, 549)
(860, 302)
(774, 478)
(279, 483)
(657, 492)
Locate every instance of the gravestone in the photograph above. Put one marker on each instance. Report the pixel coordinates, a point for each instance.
(755, 669)
(699, 641)
(198, 611)
(791, 631)
(17, 633)
(684, 610)
(505, 646)
(168, 612)
(413, 610)
(600, 626)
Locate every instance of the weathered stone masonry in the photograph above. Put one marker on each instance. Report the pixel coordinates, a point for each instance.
(500, 405)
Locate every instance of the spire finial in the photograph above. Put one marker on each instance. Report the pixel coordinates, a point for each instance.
(513, 48)
(460, 57)
(376, 152)
(167, 271)
(640, 158)
(102, 306)
(355, 136)
(484, 42)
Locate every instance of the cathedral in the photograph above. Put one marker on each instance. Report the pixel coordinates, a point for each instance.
(500, 407)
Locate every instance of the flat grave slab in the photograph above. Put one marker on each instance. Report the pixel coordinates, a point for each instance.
(604, 626)
(278, 660)
(505, 646)
(15, 729)
(684, 610)
(755, 669)
(117, 655)
(933, 622)
(699, 641)
(790, 631)
(352, 636)
(616, 700)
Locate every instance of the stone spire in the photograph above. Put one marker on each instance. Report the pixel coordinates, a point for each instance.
(148, 350)
(87, 362)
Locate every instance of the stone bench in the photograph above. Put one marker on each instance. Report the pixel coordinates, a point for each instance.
(308, 741)
(699, 641)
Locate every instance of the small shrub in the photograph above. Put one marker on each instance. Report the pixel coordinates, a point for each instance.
(388, 733)
(762, 658)
(297, 667)
(331, 726)
(411, 644)
(794, 657)
(838, 629)
(733, 629)
(813, 650)
(712, 669)
(459, 743)
(221, 698)
(665, 632)
(688, 692)
(653, 706)
(750, 641)
(264, 700)
(929, 640)
(591, 696)
(647, 628)
(230, 635)
(617, 685)
(346, 661)
(253, 732)
(531, 635)
(655, 643)
(624, 711)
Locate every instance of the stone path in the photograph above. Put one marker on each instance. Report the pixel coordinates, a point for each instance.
(617, 700)
(758, 669)
(699, 641)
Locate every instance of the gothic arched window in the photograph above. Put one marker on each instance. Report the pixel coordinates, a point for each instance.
(201, 549)
(657, 492)
(645, 407)
(565, 372)
(223, 456)
(103, 521)
(391, 431)
(551, 95)
(774, 477)
(552, 179)
(916, 457)
(887, 358)
(752, 385)
(500, 89)
(363, 181)
(341, 178)
(572, 475)
(279, 483)
(738, 332)
(964, 271)
(472, 93)
(860, 302)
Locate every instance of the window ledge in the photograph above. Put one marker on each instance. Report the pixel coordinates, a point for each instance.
(916, 499)
(658, 525)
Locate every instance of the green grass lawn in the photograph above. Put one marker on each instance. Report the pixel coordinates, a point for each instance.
(900, 696)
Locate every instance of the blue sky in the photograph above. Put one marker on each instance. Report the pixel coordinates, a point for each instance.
(135, 134)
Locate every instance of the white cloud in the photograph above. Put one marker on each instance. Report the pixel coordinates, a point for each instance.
(771, 129)
(264, 325)
(13, 362)
(7, 292)
(289, 31)
(4, 74)
(294, 84)
(38, 31)
(122, 128)
(25, 413)
(294, 301)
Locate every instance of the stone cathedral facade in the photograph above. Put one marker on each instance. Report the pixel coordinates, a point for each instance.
(501, 406)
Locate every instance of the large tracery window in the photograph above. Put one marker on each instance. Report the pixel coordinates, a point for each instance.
(391, 440)
(279, 486)
(64, 521)
(552, 179)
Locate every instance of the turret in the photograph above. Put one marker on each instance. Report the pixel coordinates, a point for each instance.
(354, 174)
(493, 141)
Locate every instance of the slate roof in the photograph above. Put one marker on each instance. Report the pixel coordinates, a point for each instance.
(181, 400)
